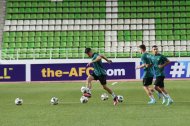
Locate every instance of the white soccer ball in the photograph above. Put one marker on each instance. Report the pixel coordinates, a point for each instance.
(104, 97)
(120, 98)
(54, 101)
(18, 101)
(83, 99)
(84, 89)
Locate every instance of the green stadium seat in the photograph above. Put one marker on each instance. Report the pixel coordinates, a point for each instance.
(102, 44)
(88, 44)
(36, 39)
(12, 45)
(23, 51)
(183, 54)
(5, 39)
(169, 54)
(172, 23)
(56, 44)
(63, 44)
(134, 55)
(69, 55)
(82, 44)
(5, 45)
(44, 44)
(188, 53)
(11, 51)
(69, 44)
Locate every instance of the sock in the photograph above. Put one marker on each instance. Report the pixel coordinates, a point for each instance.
(168, 96)
(89, 91)
(164, 95)
(161, 95)
(113, 95)
(151, 97)
(157, 92)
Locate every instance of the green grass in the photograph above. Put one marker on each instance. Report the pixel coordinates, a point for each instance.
(37, 111)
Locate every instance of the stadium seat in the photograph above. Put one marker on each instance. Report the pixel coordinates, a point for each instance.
(32, 25)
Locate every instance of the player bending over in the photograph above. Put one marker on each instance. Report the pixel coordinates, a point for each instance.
(159, 62)
(99, 73)
(148, 73)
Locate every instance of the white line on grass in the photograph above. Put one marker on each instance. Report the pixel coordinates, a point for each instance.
(114, 83)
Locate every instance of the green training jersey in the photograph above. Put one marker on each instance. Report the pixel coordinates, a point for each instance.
(145, 59)
(98, 66)
(157, 60)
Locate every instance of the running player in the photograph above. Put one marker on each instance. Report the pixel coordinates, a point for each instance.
(99, 73)
(159, 62)
(148, 73)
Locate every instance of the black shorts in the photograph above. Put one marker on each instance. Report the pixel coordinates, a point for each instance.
(159, 81)
(147, 81)
(101, 78)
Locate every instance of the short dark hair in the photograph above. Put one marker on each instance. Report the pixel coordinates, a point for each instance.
(87, 50)
(154, 46)
(142, 47)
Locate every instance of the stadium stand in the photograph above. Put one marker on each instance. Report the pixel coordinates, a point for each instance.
(50, 29)
(2, 15)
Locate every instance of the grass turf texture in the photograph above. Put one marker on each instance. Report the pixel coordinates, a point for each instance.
(134, 111)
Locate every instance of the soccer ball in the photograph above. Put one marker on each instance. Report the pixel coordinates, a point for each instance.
(120, 98)
(83, 99)
(84, 90)
(104, 97)
(54, 101)
(18, 101)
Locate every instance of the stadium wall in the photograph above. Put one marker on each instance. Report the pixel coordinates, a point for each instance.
(76, 70)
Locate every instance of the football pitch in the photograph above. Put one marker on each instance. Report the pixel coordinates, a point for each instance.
(134, 111)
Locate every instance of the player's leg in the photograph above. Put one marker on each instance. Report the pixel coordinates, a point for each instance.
(89, 86)
(158, 91)
(115, 99)
(152, 89)
(146, 83)
(161, 94)
(89, 81)
(150, 95)
(157, 88)
(164, 92)
(103, 82)
(157, 85)
(105, 87)
(165, 95)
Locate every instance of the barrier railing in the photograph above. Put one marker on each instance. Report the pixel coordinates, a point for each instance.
(77, 53)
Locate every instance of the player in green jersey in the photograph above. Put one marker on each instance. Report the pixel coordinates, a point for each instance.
(148, 73)
(99, 73)
(159, 62)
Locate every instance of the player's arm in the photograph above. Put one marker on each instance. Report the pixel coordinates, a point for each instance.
(165, 64)
(144, 64)
(150, 63)
(98, 58)
(105, 58)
